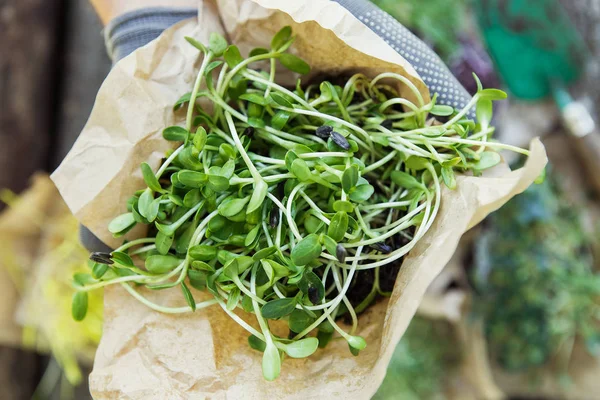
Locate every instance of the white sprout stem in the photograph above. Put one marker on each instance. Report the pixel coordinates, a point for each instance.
(291, 222)
(338, 284)
(146, 279)
(279, 204)
(365, 228)
(463, 112)
(350, 84)
(438, 196)
(255, 174)
(399, 221)
(143, 249)
(222, 75)
(324, 154)
(279, 225)
(264, 326)
(402, 79)
(239, 67)
(271, 77)
(332, 171)
(485, 144)
(268, 179)
(406, 143)
(407, 151)
(266, 160)
(381, 162)
(325, 275)
(167, 310)
(196, 238)
(247, 292)
(169, 160)
(360, 105)
(222, 135)
(241, 322)
(385, 205)
(395, 255)
(101, 284)
(258, 78)
(337, 300)
(403, 102)
(195, 90)
(135, 242)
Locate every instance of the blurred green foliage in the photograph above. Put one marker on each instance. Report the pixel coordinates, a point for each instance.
(438, 22)
(421, 362)
(534, 279)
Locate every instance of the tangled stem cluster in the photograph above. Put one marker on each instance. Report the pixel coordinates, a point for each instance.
(277, 198)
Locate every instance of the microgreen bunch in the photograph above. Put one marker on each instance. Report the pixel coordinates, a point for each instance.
(278, 197)
(536, 262)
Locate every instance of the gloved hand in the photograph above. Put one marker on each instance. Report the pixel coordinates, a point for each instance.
(135, 23)
(429, 65)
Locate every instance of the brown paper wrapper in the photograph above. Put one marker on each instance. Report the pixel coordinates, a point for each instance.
(148, 355)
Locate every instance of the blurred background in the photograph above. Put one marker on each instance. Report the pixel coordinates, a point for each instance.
(516, 314)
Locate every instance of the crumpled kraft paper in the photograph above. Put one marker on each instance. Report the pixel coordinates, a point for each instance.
(148, 355)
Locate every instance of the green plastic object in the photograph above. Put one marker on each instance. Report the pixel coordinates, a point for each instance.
(533, 44)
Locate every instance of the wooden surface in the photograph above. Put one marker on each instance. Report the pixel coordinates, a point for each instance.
(52, 62)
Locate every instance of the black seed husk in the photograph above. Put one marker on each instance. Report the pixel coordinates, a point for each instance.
(274, 219)
(340, 140)
(387, 124)
(281, 189)
(324, 131)
(382, 247)
(249, 131)
(101, 258)
(313, 295)
(341, 253)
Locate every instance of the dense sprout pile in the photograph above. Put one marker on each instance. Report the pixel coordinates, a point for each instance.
(278, 198)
